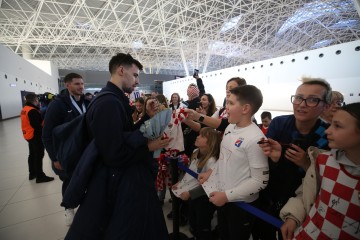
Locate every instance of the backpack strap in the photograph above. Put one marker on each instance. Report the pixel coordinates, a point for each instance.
(98, 96)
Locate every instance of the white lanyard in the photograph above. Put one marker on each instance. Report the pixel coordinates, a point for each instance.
(77, 106)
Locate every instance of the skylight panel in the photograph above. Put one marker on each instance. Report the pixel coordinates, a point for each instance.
(322, 43)
(231, 23)
(315, 10)
(345, 23)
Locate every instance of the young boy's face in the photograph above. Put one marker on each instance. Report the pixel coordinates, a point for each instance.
(343, 132)
(266, 121)
(234, 107)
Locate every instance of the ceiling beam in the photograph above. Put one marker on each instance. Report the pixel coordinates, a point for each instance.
(357, 6)
(184, 61)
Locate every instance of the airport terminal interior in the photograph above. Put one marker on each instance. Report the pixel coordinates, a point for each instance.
(270, 43)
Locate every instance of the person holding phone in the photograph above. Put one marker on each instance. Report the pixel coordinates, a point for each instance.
(302, 129)
(194, 93)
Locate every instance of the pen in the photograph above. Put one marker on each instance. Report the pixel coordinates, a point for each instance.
(266, 141)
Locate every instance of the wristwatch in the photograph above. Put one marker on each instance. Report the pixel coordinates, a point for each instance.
(201, 119)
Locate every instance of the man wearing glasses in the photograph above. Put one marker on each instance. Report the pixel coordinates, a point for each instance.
(296, 133)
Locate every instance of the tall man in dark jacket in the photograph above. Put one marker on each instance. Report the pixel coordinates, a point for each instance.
(121, 201)
(66, 106)
(31, 124)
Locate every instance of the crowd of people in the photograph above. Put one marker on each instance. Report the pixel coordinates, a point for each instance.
(302, 167)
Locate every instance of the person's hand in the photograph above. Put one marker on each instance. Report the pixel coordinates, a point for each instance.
(288, 229)
(298, 156)
(271, 149)
(175, 186)
(57, 165)
(152, 107)
(158, 143)
(192, 114)
(218, 198)
(185, 196)
(200, 110)
(202, 177)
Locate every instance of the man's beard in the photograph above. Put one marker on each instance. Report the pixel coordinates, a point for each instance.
(128, 90)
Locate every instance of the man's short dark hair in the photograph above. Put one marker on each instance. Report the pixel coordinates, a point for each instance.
(124, 60)
(30, 97)
(69, 77)
(249, 94)
(265, 114)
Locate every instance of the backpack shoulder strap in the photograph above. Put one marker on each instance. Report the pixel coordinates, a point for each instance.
(98, 96)
(103, 94)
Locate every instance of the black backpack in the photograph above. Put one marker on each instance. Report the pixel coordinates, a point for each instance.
(70, 139)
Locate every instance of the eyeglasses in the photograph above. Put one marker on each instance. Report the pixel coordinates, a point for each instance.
(310, 102)
(337, 103)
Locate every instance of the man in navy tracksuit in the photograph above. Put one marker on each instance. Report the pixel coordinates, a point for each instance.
(66, 106)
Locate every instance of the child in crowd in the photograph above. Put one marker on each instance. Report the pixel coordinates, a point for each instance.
(138, 111)
(328, 203)
(265, 121)
(200, 209)
(337, 100)
(242, 169)
(163, 101)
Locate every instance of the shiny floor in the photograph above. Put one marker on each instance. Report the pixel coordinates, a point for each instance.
(28, 210)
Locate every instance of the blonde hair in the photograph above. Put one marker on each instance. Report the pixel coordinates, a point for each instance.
(319, 81)
(213, 142)
(337, 95)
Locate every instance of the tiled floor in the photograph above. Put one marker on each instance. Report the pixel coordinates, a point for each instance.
(28, 210)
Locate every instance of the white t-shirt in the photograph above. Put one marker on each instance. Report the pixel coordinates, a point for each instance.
(217, 114)
(239, 151)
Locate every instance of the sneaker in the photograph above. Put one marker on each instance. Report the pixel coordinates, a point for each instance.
(44, 179)
(69, 216)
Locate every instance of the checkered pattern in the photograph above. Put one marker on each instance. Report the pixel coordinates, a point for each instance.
(336, 212)
(163, 178)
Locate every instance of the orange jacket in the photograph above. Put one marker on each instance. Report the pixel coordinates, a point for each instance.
(27, 129)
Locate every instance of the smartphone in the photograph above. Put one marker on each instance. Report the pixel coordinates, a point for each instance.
(196, 73)
(303, 143)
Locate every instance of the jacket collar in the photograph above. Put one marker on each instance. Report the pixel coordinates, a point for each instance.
(115, 89)
(32, 105)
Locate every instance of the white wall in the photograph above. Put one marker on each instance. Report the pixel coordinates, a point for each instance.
(279, 81)
(22, 75)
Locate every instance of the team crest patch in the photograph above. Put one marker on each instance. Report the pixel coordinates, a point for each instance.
(239, 142)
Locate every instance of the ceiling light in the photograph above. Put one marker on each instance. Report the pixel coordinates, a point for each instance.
(231, 23)
(137, 44)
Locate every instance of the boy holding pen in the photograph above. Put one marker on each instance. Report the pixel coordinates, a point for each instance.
(242, 169)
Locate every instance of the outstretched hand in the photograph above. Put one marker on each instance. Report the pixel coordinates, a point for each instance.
(152, 107)
(271, 148)
(192, 114)
(158, 143)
